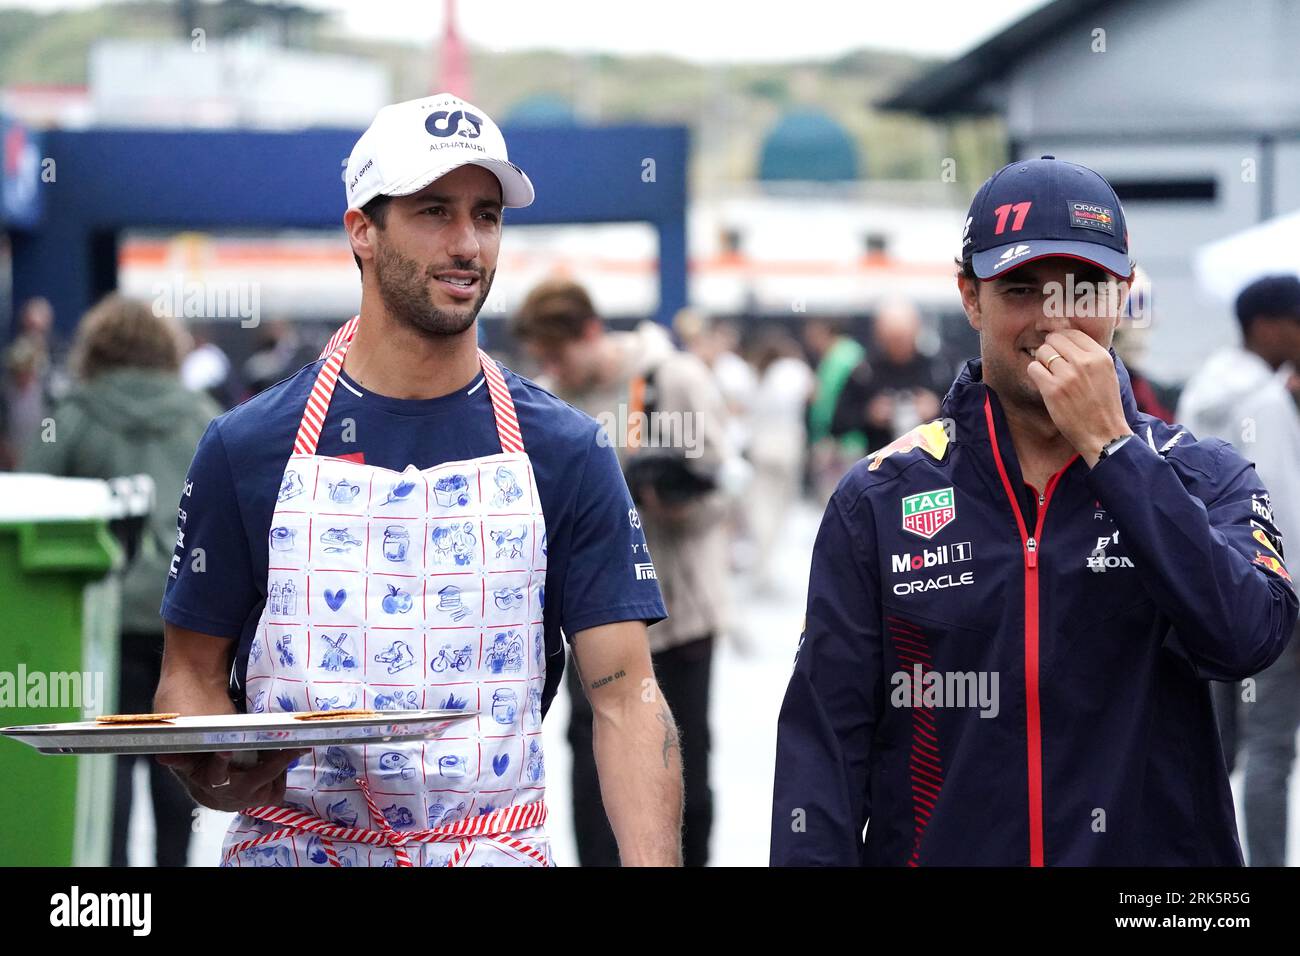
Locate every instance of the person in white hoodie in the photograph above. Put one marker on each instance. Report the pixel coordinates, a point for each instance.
(1241, 395)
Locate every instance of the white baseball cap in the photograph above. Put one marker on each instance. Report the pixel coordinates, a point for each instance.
(409, 145)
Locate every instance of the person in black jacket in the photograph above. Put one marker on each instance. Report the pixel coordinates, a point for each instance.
(896, 387)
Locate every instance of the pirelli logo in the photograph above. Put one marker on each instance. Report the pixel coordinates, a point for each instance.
(646, 572)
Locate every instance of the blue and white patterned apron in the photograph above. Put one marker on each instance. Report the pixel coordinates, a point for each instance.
(401, 590)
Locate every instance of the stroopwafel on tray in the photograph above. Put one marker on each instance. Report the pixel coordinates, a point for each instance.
(134, 718)
(332, 714)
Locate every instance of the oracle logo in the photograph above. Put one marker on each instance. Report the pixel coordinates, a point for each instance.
(904, 588)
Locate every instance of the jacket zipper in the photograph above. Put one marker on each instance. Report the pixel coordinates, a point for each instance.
(1033, 721)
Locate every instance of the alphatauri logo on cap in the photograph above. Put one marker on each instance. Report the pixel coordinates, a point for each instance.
(1014, 252)
(458, 123)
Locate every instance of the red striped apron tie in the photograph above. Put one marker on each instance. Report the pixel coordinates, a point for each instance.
(497, 825)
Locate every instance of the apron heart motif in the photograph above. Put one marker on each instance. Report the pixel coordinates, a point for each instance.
(500, 762)
(335, 599)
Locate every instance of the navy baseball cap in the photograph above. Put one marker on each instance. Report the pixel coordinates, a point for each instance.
(1037, 208)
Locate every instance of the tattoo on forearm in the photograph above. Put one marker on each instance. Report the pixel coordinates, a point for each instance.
(671, 741)
(607, 679)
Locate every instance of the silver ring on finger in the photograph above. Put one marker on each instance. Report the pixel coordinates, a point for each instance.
(224, 783)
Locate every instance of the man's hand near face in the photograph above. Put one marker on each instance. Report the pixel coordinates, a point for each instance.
(1080, 390)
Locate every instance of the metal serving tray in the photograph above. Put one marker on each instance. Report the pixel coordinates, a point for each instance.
(275, 731)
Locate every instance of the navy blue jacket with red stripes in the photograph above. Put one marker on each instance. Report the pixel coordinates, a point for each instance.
(992, 674)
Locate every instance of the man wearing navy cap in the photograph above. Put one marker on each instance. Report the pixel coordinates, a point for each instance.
(1014, 611)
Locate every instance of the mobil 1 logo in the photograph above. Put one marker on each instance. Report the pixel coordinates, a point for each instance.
(930, 557)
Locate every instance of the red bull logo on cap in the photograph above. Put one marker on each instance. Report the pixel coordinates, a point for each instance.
(1086, 215)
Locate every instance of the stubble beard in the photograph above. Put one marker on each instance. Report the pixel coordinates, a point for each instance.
(404, 289)
(1012, 385)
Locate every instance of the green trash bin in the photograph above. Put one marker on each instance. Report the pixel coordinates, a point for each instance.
(58, 662)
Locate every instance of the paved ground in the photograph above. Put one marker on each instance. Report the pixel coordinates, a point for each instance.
(747, 695)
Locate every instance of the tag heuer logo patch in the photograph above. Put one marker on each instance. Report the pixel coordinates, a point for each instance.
(929, 512)
(1086, 215)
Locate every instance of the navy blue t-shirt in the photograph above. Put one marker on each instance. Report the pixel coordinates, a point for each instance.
(596, 557)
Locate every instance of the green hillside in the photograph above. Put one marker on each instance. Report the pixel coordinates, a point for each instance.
(728, 108)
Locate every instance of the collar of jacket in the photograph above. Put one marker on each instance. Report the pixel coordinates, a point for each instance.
(964, 405)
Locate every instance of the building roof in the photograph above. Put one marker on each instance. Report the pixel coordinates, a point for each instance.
(808, 144)
(965, 85)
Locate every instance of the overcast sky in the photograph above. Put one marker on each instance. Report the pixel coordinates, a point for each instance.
(703, 30)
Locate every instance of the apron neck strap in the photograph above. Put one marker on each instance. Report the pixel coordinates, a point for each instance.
(503, 406)
(318, 402)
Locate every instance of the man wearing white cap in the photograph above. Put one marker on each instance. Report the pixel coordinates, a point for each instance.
(406, 524)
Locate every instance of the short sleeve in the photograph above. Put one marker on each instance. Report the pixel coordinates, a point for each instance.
(611, 576)
(210, 586)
